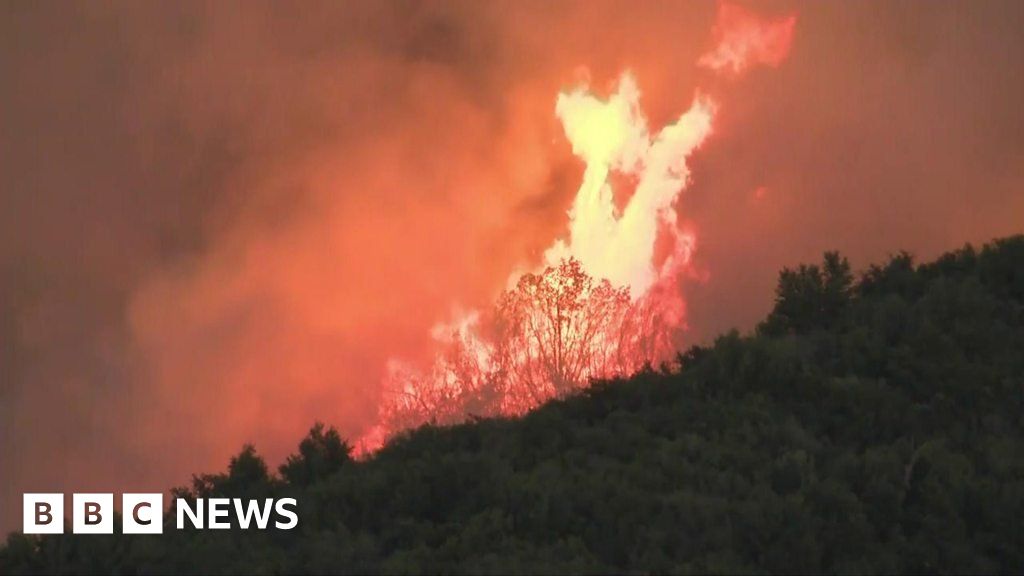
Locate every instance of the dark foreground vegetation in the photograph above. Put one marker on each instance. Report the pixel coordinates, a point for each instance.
(871, 424)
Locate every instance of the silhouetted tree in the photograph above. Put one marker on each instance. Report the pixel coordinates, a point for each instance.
(551, 334)
(810, 297)
(556, 330)
(321, 453)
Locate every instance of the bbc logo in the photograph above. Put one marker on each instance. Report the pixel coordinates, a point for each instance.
(144, 513)
(93, 513)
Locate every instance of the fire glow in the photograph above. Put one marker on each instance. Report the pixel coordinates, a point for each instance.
(606, 300)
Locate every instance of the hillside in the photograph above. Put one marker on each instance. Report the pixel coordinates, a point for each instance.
(870, 424)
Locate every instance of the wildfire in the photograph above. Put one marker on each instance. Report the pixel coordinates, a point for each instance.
(743, 39)
(613, 136)
(603, 304)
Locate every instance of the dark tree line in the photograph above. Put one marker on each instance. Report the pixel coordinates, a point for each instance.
(870, 424)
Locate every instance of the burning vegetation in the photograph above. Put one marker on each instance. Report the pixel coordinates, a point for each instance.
(607, 298)
(552, 333)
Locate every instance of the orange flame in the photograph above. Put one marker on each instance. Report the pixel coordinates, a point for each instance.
(743, 39)
(603, 304)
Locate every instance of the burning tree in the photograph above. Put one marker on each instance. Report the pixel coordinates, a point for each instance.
(553, 333)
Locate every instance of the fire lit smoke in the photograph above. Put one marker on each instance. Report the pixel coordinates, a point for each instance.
(743, 39)
(607, 299)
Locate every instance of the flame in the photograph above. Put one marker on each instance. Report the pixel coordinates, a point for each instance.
(743, 39)
(602, 303)
(613, 135)
(600, 306)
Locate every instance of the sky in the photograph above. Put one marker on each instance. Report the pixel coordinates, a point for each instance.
(219, 221)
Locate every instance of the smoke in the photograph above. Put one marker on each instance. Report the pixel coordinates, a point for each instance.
(220, 221)
(345, 244)
(256, 207)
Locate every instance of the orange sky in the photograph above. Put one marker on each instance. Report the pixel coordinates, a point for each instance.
(218, 221)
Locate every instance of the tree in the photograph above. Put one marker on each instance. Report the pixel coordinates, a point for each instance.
(810, 297)
(553, 333)
(556, 330)
(321, 453)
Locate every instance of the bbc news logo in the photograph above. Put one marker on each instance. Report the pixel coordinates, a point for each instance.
(144, 513)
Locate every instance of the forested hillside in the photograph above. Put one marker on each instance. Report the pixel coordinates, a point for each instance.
(873, 422)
